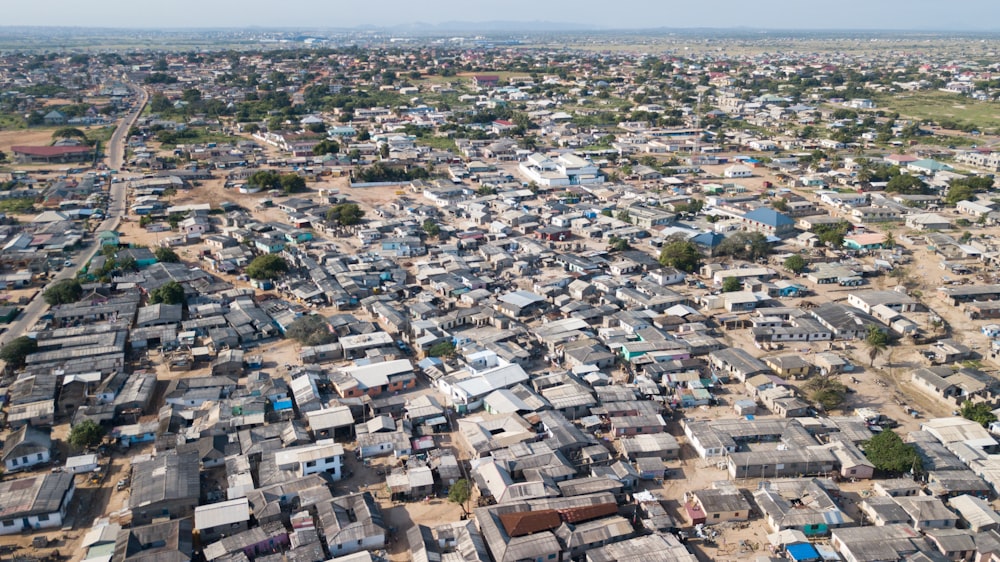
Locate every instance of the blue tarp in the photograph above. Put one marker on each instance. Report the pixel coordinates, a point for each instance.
(802, 551)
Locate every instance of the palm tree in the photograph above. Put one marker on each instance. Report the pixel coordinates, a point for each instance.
(889, 242)
(876, 341)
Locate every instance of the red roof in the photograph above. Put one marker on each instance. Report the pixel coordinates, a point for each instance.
(588, 512)
(49, 150)
(521, 523)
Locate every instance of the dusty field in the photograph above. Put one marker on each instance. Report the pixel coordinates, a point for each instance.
(31, 137)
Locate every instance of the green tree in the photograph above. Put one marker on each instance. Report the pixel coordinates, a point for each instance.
(431, 228)
(169, 293)
(890, 455)
(832, 235)
(731, 285)
(17, 349)
(267, 179)
(623, 215)
(166, 255)
(750, 246)
(383, 151)
(681, 254)
(795, 263)
(63, 291)
(618, 244)
(87, 433)
(326, 147)
(345, 214)
(443, 349)
(978, 412)
(69, 132)
(889, 241)
(292, 183)
(826, 391)
(312, 329)
(268, 266)
(906, 183)
(460, 493)
(957, 193)
(876, 341)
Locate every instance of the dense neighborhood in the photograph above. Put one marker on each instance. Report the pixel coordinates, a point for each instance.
(475, 302)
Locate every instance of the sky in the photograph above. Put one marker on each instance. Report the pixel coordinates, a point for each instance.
(979, 15)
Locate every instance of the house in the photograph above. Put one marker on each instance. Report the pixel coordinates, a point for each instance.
(37, 502)
(883, 510)
(846, 322)
(166, 486)
(213, 521)
(894, 300)
(659, 445)
(976, 513)
(26, 447)
(350, 523)
(927, 221)
(737, 363)
(323, 456)
(718, 504)
(877, 543)
(927, 512)
(801, 504)
(51, 154)
(789, 366)
(737, 171)
(485, 80)
(167, 540)
(867, 241)
(768, 221)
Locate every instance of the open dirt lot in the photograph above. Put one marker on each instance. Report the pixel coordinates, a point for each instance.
(25, 137)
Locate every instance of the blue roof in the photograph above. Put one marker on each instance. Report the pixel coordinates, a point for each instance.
(708, 239)
(802, 551)
(768, 217)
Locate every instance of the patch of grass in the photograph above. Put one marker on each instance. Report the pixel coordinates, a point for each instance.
(102, 134)
(18, 205)
(438, 143)
(9, 121)
(938, 105)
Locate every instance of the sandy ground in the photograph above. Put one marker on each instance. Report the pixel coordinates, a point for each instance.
(29, 137)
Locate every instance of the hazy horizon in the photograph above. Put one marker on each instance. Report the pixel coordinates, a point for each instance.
(887, 15)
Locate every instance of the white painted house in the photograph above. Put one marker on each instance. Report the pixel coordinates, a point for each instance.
(323, 456)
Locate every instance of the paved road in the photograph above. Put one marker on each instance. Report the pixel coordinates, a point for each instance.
(116, 210)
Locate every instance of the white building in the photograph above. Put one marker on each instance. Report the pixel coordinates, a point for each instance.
(737, 171)
(566, 169)
(38, 502)
(322, 456)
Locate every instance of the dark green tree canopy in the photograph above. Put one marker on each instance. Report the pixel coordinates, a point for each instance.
(459, 492)
(268, 266)
(978, 412)
(795, 263)
(17, 349)
(345, 214)
(165, 254)
(170, 293)
(681, 254)
(63, 291)
(86, 434)
(889, 454)
(311, 330)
